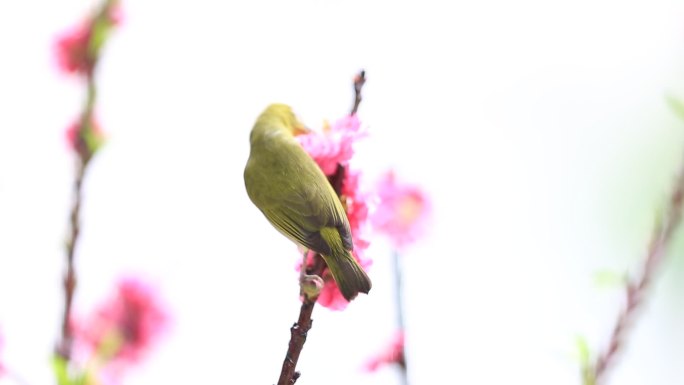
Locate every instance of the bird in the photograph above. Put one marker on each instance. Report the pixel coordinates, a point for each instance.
(289, 188)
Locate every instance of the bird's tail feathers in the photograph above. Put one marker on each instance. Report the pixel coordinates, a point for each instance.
(348, 274)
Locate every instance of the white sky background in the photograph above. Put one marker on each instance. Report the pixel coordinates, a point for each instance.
(534, 125)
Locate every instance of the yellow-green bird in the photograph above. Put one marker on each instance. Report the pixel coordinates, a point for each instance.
(285, 183)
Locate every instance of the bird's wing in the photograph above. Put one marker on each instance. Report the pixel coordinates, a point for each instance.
(303, 212)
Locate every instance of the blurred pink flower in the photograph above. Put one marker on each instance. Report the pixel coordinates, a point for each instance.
(335, 145)
(124, 327)
(330, 295)
(392, 354)
(73, 47)
(355, 201)
(402, 212)
(84, 141)
(3, 369)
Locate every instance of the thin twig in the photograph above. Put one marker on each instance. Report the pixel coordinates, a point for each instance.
(70, 277)
(396, 264)
(84, 156)
(64, 348)
(637, 287)
(359, 81)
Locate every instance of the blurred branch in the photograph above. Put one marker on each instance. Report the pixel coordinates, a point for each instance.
(359, 81)
(64, 348)
(85, 151)
(83, 160)
(636, 287)
(396, 265)
(398, 298)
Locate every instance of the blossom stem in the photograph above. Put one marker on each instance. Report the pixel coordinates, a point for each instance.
(399, 300)
(636, 287)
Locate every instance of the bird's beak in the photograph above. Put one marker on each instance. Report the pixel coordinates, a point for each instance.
(301, 130)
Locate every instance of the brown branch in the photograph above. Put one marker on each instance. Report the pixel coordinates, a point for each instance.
(300, 329)
(359, 81)
(64, 347)
(637, 287)
(84, 156)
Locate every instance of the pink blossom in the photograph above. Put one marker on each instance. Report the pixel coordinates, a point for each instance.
(85, 141)
(392, 354)
(3, 369)
(73, 47)
(329, 149)
(356, 205)
(335, 145)
(402, 212)
(126, 326)
(330, 295)
(355, 200)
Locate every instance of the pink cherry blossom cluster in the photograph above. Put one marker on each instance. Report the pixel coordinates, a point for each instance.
(393, 354)
(84, 139)
(76, 48)
(76, 53)
(403, 211)
(120, 332)
(335, 145)
(330, 148)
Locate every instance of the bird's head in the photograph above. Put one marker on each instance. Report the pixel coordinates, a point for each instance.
(285, 116)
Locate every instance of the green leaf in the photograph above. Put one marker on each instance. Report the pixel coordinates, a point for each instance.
(63, 375)
(101, 28)
(93, 139)
(61, 368)
(82, 379)
(676, 106)
(583, 351)
(584, 357)
(610, 279)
